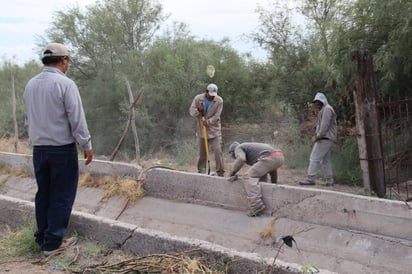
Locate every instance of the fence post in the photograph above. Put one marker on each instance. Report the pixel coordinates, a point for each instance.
(367, 124)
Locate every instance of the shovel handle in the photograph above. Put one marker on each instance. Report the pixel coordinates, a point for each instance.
(206, 143)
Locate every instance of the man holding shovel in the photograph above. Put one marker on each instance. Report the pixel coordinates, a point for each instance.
(206, 108)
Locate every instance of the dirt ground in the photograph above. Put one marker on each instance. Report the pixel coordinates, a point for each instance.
(292, 177)
(22, 266)
(88, 257)
(72, 260)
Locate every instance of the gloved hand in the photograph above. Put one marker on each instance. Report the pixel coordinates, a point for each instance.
(233, 178)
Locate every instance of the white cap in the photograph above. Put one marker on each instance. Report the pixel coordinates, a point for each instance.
(55, 49)
(212, 89)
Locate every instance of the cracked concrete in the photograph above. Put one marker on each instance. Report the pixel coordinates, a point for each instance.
(336, 232)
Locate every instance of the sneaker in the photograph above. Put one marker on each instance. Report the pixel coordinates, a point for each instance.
(65, 244)
(256, 211)
(307, 183)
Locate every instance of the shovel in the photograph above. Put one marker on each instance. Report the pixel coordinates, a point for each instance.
(206, 144)
(210, 71)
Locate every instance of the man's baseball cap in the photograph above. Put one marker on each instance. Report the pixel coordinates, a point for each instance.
(55, 49)
(212, 89)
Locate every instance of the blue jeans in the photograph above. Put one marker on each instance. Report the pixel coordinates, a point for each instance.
(57, 174)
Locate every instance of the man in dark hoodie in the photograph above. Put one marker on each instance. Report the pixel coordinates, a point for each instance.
(323, 140)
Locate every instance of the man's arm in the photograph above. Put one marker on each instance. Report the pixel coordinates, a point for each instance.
(325, 122)
(194, 108)
(239, 162)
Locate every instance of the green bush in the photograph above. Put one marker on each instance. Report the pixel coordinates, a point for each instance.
(186, 152)
(345, 160)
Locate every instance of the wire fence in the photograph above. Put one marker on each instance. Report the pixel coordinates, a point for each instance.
(396, 133)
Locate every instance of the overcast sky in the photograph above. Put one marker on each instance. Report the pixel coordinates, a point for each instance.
(21, 20)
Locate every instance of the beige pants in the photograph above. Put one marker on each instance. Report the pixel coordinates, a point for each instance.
(214, 144)
(251, 183)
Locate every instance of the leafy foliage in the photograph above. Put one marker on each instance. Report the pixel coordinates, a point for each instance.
(12, 74)
(308, 42)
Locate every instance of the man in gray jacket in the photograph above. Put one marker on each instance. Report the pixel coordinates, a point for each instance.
(263, 159)
(323, 140)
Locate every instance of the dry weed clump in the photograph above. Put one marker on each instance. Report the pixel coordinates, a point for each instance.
(21, 146)
(114, 186)
(20, 172)
(269, 230)
(156, 263)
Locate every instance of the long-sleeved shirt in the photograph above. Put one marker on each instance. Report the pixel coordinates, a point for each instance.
(54, 114)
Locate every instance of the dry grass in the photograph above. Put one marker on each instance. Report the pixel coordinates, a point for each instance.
(111, 185)
(269, 231)
(157, 263)
(9, 170)
(114, 186)
(20, 254)
(22, 146)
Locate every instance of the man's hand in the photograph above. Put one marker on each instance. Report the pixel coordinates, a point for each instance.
(88, 155)
(315, 138)
(201, 107)
(233, 178)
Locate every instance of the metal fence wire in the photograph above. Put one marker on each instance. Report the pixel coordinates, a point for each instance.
(396, 138)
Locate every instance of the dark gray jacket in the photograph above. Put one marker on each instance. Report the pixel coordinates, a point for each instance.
(250, 153)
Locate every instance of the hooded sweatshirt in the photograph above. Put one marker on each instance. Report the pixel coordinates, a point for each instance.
(326, 126)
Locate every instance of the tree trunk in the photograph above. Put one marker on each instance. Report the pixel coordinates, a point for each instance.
(16, 131)
(133, 124)
(129, 121)
(368, 129)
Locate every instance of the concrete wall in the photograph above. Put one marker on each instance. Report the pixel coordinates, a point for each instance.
(139, 241)
(340, 210)
(337, 231)
(98, 167)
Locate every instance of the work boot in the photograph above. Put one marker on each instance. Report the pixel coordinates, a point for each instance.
(307, 182)
(274, 177)
(64, 245)
(263, 179)
(329, 182)
(256, 211)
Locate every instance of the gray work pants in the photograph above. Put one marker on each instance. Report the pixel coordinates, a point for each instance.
(321, 155)
(251, 183)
